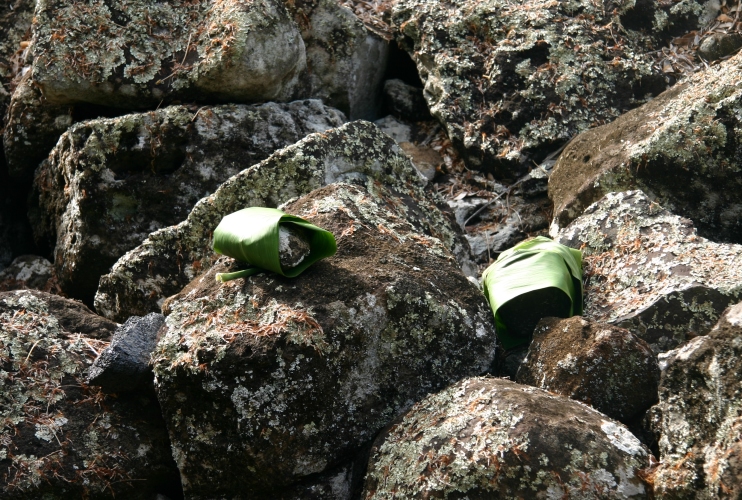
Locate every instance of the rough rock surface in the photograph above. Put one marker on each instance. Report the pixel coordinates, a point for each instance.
(302, 372)
(27, 271)
(684, 149)
(124, 365)
(492, 438)
(648, 271)
(59, 438)
(32, 129)
(73, 316)
(134, 54)
(606, 367)
(15, 24)
(171, 257)
(110, 182)
(345, 61)
(510, 80)
(699, 416)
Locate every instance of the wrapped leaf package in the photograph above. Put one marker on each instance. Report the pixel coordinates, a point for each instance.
(534, 279)
(270, 240)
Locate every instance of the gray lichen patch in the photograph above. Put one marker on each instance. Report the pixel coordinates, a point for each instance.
(136, 53)
(171, 257)
(511, 82)
(60, 438)
(110, 182)
(303, 372)
(491, 438)
(648, 271)
(683, 149)
(698, 416)
(606, 367)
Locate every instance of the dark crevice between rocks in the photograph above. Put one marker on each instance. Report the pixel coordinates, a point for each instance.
(642, 428)
(16, 237)
(354, 466)
(402, 67)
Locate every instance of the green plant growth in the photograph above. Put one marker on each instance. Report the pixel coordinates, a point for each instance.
(534, 279)
(269, 240)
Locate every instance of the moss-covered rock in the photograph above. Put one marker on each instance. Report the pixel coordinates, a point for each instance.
(171, 257)
(269, 381)
(683, 149)
(492, 438)
(511, 81)
(134, 54)
(648, 271)
(699, 415)
(606, 367)
(59, 438)
(110, 182)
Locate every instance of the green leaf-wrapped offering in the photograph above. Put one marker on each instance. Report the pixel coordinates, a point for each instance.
(269, 239)
(534, 279)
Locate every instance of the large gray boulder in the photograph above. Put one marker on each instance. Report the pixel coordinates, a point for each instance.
(492, 438)
(134, 54)
(606, 367)
(170, 258)
(110, 182)
(511, 82)
(648, 271)
(699, 416)
(60, 438)
(145, 52)
(268, 383)
(682, 149)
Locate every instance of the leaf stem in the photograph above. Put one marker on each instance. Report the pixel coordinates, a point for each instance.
(244, 273)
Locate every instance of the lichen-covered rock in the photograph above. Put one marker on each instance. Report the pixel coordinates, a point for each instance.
(134, 54)
(699, 416)
(606, 367)
(27, 271)
(648, 271)
(269, 381)
(510, 80)
(110, 182)
(683, 149)
(171, 257)
(32, 129)
(345, 60)
(73, 316)
(492, 438)
(59, 438)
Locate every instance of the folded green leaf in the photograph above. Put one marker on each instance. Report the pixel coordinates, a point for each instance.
(252, 236)
(539, 274)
